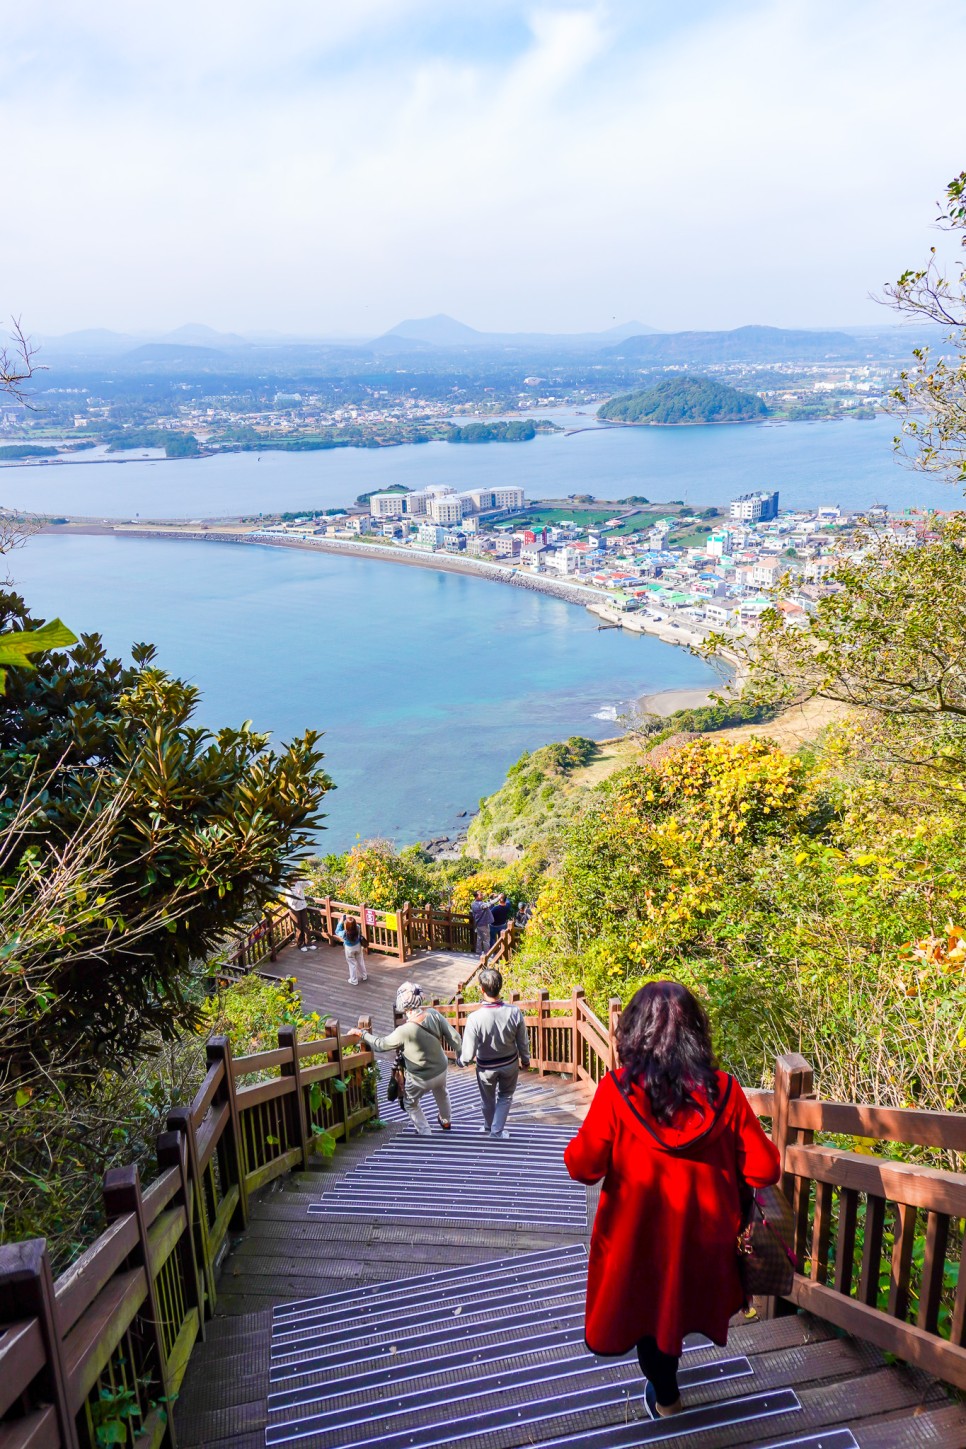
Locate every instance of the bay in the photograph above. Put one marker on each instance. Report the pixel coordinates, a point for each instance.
(427, 685)
(846, 462)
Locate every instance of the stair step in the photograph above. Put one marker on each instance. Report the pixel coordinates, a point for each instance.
(382, 1346)
(459, 1396)
(523, 1218)
(397, 1373)
(724, 1414)
(524, 1262)
(430, 1307)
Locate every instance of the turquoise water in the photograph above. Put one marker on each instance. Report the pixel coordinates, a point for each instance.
(427, 685)
(845, 462)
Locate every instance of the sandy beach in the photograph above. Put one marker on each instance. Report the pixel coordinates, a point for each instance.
(668, 701)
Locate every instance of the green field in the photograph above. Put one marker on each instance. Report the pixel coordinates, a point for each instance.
(591, 517)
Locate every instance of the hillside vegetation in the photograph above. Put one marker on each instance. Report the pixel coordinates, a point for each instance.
(676, 401)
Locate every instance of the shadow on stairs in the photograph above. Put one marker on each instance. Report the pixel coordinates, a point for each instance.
(447, 1308)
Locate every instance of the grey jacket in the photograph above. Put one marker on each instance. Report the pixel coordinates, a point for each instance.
(422, 1045)
(496, 1035)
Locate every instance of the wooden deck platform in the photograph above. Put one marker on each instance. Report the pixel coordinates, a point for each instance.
(430, 1363)
(323, 980)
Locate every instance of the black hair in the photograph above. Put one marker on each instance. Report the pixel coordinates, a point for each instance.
(664, 1041)
(491, 981)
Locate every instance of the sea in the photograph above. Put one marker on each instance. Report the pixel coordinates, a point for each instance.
(427, 685)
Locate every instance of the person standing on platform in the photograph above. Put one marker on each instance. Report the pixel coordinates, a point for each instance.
(294, 896)
(482, 914)
(501, 912)
(674, 1140)
(496, 1037)
(349, 933)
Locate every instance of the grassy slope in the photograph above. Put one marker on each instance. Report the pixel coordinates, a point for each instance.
(519, 822)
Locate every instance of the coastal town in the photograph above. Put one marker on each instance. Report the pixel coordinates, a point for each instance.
(661, 569)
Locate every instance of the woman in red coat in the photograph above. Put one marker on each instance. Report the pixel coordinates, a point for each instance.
(672, 1137)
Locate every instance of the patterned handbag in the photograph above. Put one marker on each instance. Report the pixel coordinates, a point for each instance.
(396, 1086)
(766, 1258)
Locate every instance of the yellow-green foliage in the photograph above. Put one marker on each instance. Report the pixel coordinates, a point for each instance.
(806, 905)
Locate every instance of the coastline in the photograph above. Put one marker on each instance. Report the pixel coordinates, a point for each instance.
(685, 634)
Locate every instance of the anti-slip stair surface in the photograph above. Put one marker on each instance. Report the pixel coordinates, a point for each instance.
(493, 1354)
(464, 1175)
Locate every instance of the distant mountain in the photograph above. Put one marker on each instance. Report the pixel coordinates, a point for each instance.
(196, 334)
(743, 344)
(446, 332)
(438, 331)
(91, 342)
(681, 401)
(173, 352)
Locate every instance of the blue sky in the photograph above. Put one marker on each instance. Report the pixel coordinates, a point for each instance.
(328, 168)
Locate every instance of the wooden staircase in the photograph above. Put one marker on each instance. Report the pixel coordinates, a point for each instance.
(444, 1312)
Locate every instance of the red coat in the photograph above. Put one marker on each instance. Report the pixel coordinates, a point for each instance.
(663, 1259)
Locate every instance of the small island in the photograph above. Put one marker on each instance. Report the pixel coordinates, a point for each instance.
(682, 402)
(500, 430)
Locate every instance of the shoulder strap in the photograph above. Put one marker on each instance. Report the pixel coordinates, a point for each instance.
(719, 1107)
(421, 1021)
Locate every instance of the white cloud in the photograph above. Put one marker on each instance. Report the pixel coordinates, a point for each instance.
(332, 168)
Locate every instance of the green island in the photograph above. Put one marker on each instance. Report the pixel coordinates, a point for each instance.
(175, 445)
(12, 452)
(684, 401)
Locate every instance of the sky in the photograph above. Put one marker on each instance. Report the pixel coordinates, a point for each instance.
(325, 168)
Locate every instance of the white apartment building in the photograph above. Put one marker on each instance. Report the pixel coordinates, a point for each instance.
(488, 500)
(766, 572)
(754, 507)
(719, 544)
(417, 504)
(387, 505)
(446, 509)
(430, 535)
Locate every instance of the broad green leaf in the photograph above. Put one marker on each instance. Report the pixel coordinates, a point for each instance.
(16, 647)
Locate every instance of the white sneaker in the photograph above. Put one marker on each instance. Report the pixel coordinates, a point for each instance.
(365, 976)
(504, 1134)
(313, 947)
(303, 948)
(486, 1130)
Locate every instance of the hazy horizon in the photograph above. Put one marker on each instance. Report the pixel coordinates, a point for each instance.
(556, 167)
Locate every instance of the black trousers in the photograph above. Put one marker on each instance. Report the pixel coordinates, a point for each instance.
(661, 1369)
(301, 927)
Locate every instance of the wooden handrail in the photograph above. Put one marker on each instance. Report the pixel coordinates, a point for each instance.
(142, 1292)
(129, 1310)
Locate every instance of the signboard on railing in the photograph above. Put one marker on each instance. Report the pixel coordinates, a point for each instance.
(370, 916)
(392, 920)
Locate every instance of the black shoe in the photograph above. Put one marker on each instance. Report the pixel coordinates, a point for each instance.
(650, 1400)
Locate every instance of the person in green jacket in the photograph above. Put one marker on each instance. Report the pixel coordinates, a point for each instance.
(421, 1037)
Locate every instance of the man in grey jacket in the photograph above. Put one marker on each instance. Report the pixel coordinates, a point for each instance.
(496, 1037)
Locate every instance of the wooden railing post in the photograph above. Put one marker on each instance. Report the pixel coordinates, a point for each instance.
(402, 928)
(272, 949)
(122, 1195)
(173, 1152)
(793, 1079)
(343, 1096)
(576, 1002)
(179, 1121)
(298, 1127)
(231, 1148)
(543, 1015)
(613, 1017)
(329, 928)
(27, 1291)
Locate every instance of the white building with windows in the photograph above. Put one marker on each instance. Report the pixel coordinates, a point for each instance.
(446, 509)
(387, 505)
